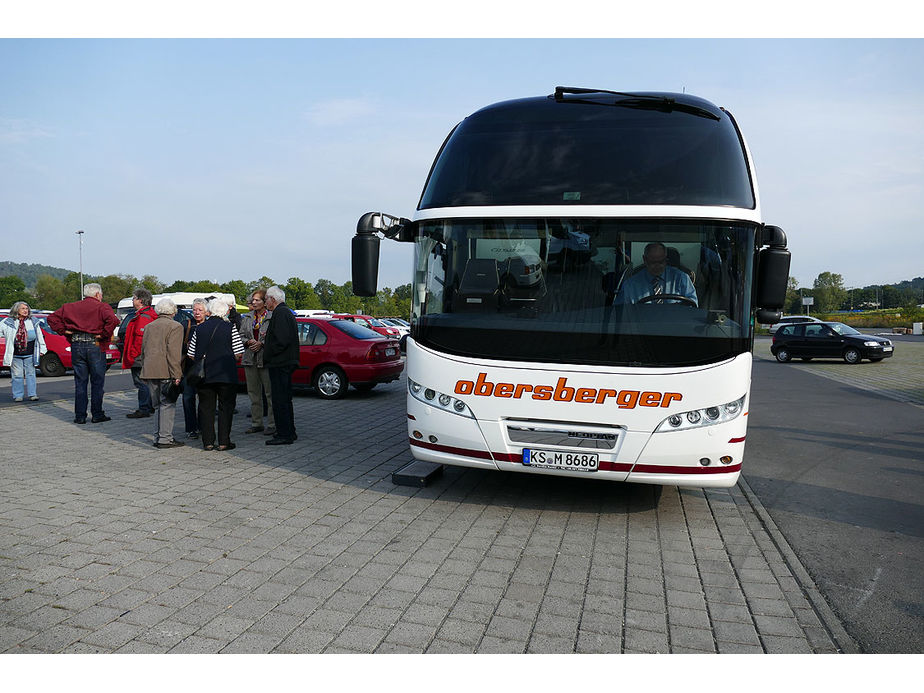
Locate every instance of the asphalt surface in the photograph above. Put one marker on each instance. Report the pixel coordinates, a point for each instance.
(836, 455)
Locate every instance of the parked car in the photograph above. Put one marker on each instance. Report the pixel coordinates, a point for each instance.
(334, 354)
(403, 327)
(57, 360)
(372, 324)
(791, 320)
(828, 340)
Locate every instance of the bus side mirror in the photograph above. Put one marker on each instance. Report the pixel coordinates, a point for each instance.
(365, 258)
(772, 276)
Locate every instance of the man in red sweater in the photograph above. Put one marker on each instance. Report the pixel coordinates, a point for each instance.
(131, 349)
(88, 325)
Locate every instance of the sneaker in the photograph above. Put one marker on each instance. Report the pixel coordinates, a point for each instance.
(17, 399)
(138, 414)
(33, 398)
(173, 444)
(100, 419)
(254, 429)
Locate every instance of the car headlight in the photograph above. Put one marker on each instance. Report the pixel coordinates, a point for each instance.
(439, 400)
(870, 343)
(697, 418)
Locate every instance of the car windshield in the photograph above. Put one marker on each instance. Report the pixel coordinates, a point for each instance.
(581, 290)
(842, 329)
(353, 330)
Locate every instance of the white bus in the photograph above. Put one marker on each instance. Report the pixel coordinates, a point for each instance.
(537, 343)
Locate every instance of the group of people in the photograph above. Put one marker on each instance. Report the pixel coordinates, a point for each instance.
(161, 351)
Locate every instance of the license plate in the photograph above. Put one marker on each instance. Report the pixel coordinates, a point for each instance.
(887, 348)
(556, 459)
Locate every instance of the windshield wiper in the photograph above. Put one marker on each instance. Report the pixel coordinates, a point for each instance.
(660, 103)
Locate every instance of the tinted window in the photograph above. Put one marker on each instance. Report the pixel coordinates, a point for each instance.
(539, 151)
(549, 290)
(787, 331)
(354, 330)
(816, 331)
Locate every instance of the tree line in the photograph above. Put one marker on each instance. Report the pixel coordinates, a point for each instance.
(830, 295)
(50, 293)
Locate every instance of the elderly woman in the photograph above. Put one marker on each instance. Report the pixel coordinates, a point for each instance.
(253, 334)
(25, 343)
(200, 311)
(219, 343)
(161, 355)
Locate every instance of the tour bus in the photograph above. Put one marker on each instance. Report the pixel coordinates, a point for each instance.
(588, 268)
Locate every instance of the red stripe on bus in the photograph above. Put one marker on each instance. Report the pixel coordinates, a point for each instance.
(604, 466)
(738, 440)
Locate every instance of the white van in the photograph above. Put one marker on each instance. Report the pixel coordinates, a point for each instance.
(183, 299)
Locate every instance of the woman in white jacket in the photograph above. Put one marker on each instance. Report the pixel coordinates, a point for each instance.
(25, 343)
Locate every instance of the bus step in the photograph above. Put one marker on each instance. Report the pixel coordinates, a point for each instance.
(417, 473)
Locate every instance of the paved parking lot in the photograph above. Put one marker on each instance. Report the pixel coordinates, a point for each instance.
(110, 545)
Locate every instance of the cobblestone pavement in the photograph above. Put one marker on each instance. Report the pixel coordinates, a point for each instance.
(900, 377)
(108, 544)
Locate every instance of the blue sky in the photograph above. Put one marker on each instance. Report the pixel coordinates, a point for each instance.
(233, 159)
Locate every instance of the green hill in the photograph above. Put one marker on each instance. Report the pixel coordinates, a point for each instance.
(29, 273)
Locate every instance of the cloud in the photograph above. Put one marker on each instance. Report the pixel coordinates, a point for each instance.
(339, 112)
(15, 131)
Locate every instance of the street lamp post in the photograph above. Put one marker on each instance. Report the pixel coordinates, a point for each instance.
(80, 244)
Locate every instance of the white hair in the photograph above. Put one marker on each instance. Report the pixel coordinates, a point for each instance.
(219, 308)
(92, 289)
(165, 306)
(277, 294)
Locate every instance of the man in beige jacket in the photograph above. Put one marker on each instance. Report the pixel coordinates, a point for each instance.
(161, 355)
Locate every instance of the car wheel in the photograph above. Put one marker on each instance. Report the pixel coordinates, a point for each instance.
(852, 355)
(364, 387)
(330, 382)
(51, 365)
(783, 356)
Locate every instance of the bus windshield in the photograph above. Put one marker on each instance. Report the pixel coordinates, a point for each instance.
(597, 291)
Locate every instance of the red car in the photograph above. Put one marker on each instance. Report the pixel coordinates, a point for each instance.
(57, 359)
(372, 324)
(335, 353)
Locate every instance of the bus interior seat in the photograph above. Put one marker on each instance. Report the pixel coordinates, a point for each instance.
(479, 286)
(673, 259)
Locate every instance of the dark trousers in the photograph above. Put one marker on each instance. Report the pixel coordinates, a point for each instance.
(89, 366)
(281, 393)
(224, 396)
(190, 416)
(144, 394)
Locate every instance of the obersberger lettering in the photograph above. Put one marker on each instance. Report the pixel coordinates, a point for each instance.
(562, 392)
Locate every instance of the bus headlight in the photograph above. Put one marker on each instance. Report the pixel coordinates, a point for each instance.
(438, 400)
(697, 418)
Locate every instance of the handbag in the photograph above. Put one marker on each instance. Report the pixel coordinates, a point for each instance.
(170, 391)
(195, 374)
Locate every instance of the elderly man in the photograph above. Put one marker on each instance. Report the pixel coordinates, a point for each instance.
(88, 325)
(131, 349)
(658, 278)
(162, 353)
(280, 357)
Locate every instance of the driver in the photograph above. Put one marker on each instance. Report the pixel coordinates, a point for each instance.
(658, 278)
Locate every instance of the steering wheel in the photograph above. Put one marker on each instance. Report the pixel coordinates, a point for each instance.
(686, 300)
